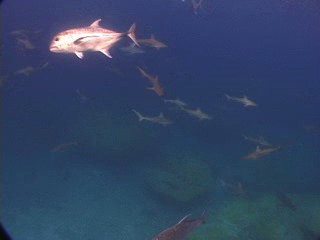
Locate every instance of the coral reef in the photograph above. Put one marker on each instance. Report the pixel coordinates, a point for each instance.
(182, 178)
(263, 218)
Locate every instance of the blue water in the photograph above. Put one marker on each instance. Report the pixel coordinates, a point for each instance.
(104, 184)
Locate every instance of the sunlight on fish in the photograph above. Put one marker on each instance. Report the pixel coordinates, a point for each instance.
(92, 38)
(161, 119)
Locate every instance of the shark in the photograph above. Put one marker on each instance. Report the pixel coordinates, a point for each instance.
(236, 189)
(83, 97)
(198, 113)
(176, 102)
(132, 49)
(156, 87)
(180, 230)
(146, 75)
(27, 71)
(160, 119)
(90, 38)
(244, 100)
(261, 152)
(25, 43)
(63, 147)
(260, 140)
(152, 42)
(196, 5)
(154, 80)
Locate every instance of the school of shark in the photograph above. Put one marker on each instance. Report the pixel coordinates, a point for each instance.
(95, 38)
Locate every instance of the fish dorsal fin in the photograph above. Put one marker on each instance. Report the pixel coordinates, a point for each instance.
(96, 23)
(161, 115)
(152, 37)
(258, 149)
(184, 219)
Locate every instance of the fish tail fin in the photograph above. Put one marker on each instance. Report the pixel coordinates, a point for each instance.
(131, 34)
(204, 216)
(139, 115)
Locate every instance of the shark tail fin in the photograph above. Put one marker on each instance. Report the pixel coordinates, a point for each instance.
(227, 96)
(131, 34)
(204, 216)
(139, 115)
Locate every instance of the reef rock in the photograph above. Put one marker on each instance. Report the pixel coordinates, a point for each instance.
(109, 135)
(182, 178)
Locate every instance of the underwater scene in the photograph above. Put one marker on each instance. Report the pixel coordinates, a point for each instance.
(160, 119)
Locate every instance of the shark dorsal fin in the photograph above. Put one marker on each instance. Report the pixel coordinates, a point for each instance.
(95, 23)
(184, 219)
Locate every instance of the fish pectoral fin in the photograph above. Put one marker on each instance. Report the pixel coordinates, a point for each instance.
(79, 54)
(106, 52)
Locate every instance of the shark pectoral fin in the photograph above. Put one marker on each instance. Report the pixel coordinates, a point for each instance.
(106, 52)
(184, 219)
(79, 54)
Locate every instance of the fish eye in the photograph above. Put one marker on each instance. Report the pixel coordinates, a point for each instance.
(56, 39)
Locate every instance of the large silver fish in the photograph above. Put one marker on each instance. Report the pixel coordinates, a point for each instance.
(93, 38)
(180, 230)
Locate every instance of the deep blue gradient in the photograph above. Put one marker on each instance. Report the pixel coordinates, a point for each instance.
(268, 50)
